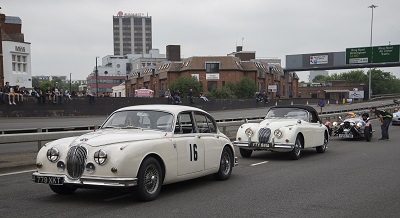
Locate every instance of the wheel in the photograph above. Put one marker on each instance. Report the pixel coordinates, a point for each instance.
(245, 152)
(368, 133)
(225, 165)
(149, 179)
(63, 189)
(322, 148)
(296, 152)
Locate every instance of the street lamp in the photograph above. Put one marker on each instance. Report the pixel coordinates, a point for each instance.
(370, 44)
(70, 83)
(97, 84)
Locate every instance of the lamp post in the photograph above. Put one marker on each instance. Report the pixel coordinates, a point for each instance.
(97, 84)
(370, 44)
(70, 83)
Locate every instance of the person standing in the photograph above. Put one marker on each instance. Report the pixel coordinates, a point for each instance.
(190, 95)
(385, 119)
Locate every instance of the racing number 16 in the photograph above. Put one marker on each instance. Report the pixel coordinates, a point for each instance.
(193, 152)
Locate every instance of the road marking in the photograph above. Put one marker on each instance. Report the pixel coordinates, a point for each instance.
(259, 163)
(119, 197)
(9, 174)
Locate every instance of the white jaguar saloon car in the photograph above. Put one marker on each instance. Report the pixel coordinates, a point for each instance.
(285, 129)
(142, 146)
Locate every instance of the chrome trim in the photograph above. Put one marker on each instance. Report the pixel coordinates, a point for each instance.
(95, 181)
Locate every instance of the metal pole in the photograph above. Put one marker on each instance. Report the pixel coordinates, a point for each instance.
(70, 84)
(370, 44)
(97, 84)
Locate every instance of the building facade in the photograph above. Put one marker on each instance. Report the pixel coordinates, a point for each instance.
(15, 63)
(132, 33)
(334, 90)
(215, 72)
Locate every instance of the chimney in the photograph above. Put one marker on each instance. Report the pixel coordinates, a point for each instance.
(173, 52)
(239, 48)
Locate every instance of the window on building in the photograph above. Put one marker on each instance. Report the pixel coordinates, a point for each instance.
(223, 83)
(212, 67)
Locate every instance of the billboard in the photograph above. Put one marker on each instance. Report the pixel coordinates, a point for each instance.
(356, 94)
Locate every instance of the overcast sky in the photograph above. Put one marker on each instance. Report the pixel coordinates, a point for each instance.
(66, 36)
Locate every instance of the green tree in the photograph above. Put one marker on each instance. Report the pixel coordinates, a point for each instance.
(224, 93)
(245, 88)
(320, 78)
(184, 84)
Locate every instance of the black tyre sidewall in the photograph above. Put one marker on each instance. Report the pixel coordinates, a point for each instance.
(142, 192)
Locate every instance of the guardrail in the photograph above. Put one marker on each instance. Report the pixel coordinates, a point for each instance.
(47, 134)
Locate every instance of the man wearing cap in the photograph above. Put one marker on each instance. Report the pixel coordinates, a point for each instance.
(385, 119)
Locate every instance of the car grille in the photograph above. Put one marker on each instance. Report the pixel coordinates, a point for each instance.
(263, 135)
(346, 125)
(76, 159)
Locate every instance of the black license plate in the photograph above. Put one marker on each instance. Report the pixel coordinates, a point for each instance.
(257, 144)
(53, 180)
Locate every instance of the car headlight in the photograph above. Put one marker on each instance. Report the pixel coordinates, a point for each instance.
(335, 123)
(100, 157)
(53, 154)
(248, 132)
(278, 133)
(359, 125)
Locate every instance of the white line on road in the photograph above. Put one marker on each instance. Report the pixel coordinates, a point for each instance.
(259, 163)
(8, 174)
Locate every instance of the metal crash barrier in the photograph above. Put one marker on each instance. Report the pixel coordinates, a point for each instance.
(48, 134)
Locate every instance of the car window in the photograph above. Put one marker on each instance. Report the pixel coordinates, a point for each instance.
(156, 120)
(184, 124)
(289, 113)
(204, 123)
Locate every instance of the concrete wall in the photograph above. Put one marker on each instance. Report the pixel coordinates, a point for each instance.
(105, 106)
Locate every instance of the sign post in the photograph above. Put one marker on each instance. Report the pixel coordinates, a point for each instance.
(321, 103)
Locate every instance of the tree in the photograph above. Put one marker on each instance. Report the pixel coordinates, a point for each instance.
(184, 84)
(320, 78)
(245, 88)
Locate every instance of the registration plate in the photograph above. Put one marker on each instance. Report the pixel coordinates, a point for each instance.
(257, 144)
(346, 135)
(53, 180)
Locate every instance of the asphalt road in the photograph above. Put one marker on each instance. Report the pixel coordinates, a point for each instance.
(353, 178)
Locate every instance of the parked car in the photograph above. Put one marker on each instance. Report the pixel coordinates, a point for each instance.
(396, 118)
(144, 146)
(285, 129)
(353, 127)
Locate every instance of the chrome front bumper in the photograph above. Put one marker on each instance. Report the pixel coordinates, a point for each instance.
(92, 181)
(271, 146)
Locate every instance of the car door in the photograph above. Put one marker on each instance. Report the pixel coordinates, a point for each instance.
(189, 145)
(317, 130)
(207, 129)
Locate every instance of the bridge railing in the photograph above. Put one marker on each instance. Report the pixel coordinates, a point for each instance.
(227, 126)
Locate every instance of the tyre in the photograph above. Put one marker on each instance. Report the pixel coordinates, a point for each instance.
(149, 179)
(225, 165)
(368, 134)
(245, 152)
(322, 148)
(63, 189)
(296, 152)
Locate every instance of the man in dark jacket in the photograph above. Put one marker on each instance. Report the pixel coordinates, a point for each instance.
(385, 119)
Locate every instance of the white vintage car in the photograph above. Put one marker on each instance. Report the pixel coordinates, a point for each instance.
(284, 129)
(144, 146)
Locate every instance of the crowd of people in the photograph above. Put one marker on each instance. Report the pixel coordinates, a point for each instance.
(174, 97)
(12, 94)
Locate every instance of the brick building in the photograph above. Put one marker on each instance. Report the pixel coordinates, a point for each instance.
(215, 72)
(334, 90)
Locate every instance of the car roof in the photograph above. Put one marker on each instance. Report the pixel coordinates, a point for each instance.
(305, 107)
(175, 109)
